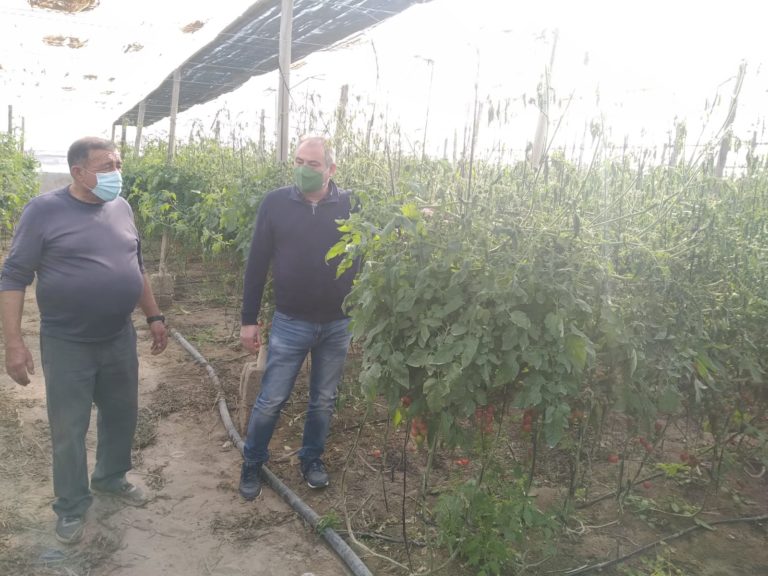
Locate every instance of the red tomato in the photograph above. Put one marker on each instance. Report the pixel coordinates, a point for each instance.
(613, 458)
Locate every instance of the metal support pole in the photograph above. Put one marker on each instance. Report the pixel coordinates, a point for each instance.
(284, 88)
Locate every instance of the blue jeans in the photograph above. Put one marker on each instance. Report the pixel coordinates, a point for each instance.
(290, 341)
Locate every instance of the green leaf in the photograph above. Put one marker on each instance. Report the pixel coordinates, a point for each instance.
(509, 339)
(554, 324)
(508, 371)
(410, 211)
(531, 392)
(703, 524)
(406, 301)
(555, 423)
(336, 250)
(470, 348)
(458, 329)
(445, 354)
(455, 302)
(699, 388)
(520, 318)
(576, 348)
(418, 358)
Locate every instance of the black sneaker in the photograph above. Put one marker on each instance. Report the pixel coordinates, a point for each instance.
(250, 480)
(315, 474)
(69, 529)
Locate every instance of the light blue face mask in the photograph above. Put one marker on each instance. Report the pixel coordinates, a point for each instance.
(108, 185)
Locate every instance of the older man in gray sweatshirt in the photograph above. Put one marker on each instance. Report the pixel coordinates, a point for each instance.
(81, 243)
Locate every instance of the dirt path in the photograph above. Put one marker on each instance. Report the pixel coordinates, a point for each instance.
(195, 523)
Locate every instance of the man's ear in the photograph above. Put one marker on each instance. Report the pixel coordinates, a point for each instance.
(332, 170)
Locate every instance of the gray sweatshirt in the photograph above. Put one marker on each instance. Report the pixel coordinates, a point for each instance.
(87, 258)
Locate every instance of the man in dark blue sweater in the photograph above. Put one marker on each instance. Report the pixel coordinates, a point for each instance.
(295, 228)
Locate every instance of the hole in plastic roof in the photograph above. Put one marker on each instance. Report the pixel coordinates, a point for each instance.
(67, 6)
(193, 27)
(133, 47)
(70, 41)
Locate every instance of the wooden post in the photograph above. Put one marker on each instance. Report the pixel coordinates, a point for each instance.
(250, 384)
(341, 120)
(540, 141)
(174, 111)
(10, 119)
(163, 282)
(139, 127)
(426, 116)
(727, 129)
(112, 138)
(123, 135)
(262, 132)
(284, 88)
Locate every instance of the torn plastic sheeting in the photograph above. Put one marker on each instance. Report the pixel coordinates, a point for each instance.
(250, 47)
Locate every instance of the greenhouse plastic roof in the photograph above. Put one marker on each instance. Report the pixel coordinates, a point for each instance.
(67, 66)
(249, 47)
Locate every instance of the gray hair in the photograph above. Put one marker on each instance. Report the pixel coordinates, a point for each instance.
(326, 144)
(80, 149)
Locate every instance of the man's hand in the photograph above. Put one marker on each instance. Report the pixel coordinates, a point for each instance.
(159, 337)
(19, 363)
(250, 337)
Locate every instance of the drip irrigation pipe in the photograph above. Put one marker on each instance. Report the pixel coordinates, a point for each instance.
(337, 544)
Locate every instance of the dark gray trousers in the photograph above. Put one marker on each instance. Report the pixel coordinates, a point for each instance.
(78, 375)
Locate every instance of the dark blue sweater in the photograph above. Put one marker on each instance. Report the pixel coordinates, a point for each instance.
(294, 236)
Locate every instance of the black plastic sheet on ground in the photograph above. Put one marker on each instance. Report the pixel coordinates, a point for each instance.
(250, 47)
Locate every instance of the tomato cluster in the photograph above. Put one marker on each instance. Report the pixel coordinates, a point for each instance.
(528, 417)
(418, 429)
(484, 418)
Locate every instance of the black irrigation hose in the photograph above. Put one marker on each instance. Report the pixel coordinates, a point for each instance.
(352, 560)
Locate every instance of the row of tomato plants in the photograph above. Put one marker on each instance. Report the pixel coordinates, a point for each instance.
(18, 181)
(566, 293)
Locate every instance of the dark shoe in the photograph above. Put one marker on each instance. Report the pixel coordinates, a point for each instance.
(122, 490)
(69, 529)
(315, 474)
(250, 480)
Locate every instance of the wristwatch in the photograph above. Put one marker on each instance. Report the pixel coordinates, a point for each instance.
(158, 318)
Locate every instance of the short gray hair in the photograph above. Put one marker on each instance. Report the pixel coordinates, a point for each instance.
(80, 149)
(324, 142)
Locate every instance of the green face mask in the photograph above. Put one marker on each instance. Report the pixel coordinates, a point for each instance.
(307, 180)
